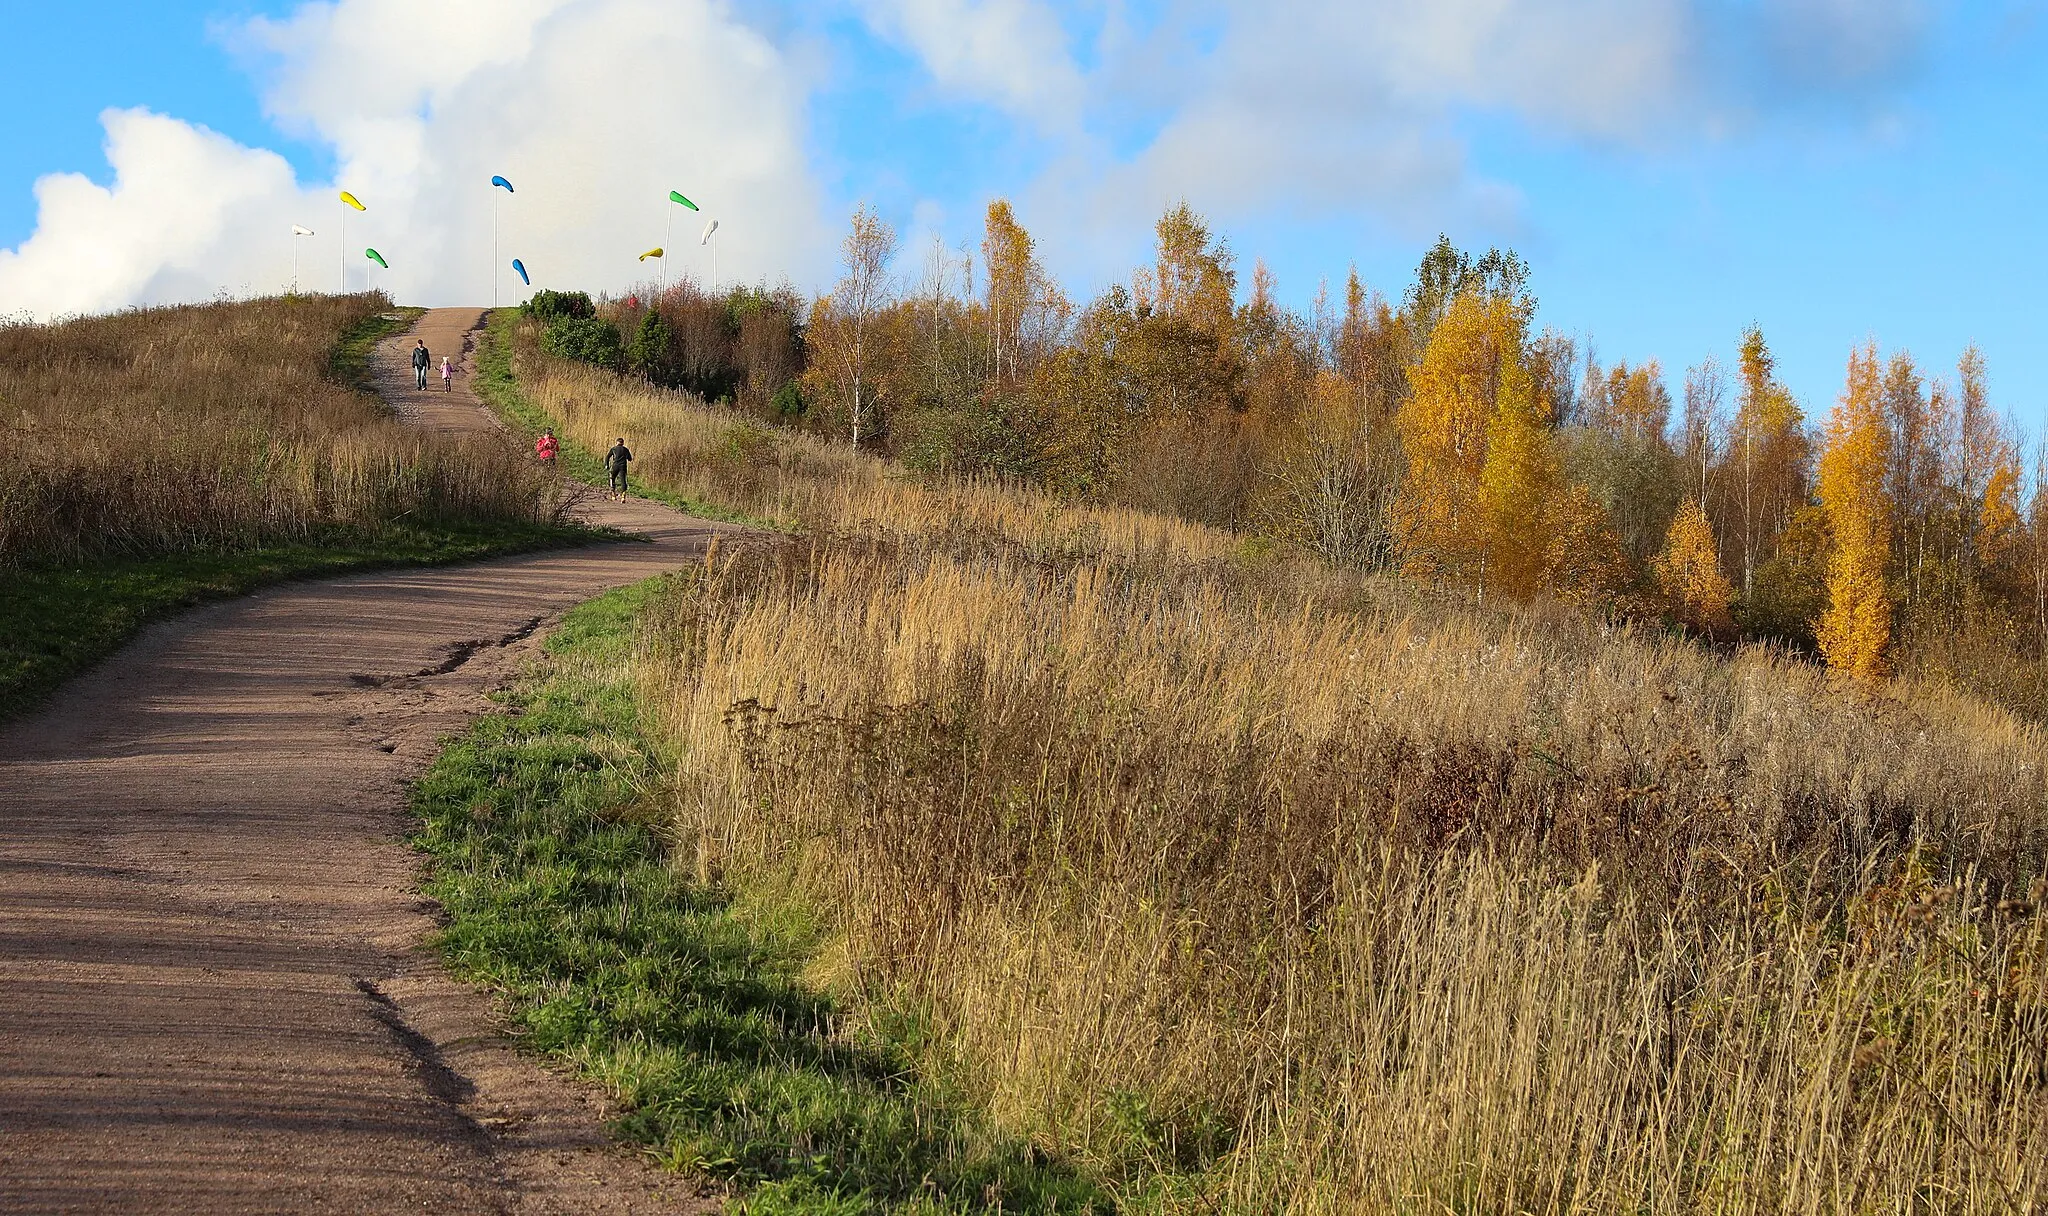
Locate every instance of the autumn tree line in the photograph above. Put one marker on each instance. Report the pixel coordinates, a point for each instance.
(1436, 435)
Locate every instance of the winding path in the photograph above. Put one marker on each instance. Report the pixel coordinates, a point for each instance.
(213, 996)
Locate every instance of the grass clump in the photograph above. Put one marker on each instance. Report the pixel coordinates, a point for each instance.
(1356, 908)
(690, 1007)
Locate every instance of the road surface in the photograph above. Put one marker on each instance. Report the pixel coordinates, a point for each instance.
(213, 994)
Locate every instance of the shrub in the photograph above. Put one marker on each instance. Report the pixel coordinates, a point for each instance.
(551, 306)
(652, 351)
(788, 400)
(587, 340)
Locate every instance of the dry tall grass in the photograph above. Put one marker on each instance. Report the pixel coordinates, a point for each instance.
(165, 428)
(1330, 898)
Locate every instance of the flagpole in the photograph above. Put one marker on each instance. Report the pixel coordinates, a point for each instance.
(494, 246)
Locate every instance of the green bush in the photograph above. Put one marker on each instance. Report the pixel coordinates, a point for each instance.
(788, 400)
(552, 306)
(652, 351)
(590, 340)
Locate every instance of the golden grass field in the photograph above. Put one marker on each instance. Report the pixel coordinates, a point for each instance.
(1324, 893)
(163, 429)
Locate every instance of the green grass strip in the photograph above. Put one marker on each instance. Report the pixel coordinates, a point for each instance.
(56, 621)
(677, 1000)
(499, 388)
(350, 362)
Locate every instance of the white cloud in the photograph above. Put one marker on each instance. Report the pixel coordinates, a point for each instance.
(1010, 53)
(174, 223)
(595, 109)
(1361, 107)
(1315, 106)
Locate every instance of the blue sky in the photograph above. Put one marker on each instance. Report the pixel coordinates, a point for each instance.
(1834, 170)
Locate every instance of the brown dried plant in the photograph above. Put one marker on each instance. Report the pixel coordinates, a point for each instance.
(160, 429)
(1323, 894)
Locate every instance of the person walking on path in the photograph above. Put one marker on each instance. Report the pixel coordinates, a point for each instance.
(420, 361)
(545, 447)
(615, 462)
(447, 375)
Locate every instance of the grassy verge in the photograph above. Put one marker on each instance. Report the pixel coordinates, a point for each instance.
(57, 621)
(689, 1007)
(350, 363)
(499, 388)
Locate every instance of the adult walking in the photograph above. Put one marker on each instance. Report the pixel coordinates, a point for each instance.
(615, 462)
(421, 360)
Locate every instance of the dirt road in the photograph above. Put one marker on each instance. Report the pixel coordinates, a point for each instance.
(212, 992)
(446, 331)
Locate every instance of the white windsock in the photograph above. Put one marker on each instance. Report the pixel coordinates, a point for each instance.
(708, 230)
(298, 231)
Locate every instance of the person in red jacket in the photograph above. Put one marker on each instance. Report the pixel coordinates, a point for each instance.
(545, 447)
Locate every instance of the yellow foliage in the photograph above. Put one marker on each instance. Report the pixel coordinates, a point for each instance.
(1856, 628)
(1484, 500)
(1689, 573)
(1444, 428)
(1999, 522)
(1585, 564)
(1193, 279)
(1517, 485)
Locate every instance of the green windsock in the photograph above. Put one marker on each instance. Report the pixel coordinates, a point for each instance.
(676, 196)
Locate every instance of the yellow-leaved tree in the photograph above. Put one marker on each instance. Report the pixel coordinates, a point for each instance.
(1484, 501)
(1689, 573)
(1765, 461)
(1856, 628)
(1586, 565)
(1517, 485)
(1445, 427)
(1998, 522)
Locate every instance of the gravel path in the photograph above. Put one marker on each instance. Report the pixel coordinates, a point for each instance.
(213, 996)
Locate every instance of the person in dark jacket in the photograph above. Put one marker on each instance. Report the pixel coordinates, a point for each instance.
(421, 360)
(615, 462)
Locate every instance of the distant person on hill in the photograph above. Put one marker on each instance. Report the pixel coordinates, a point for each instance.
(447, 375)
(545, 447)
(420, 360)
(615, 462)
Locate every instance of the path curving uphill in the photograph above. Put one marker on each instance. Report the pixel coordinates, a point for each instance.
(213, 993)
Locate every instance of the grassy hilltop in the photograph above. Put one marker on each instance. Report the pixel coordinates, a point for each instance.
(160, 456)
